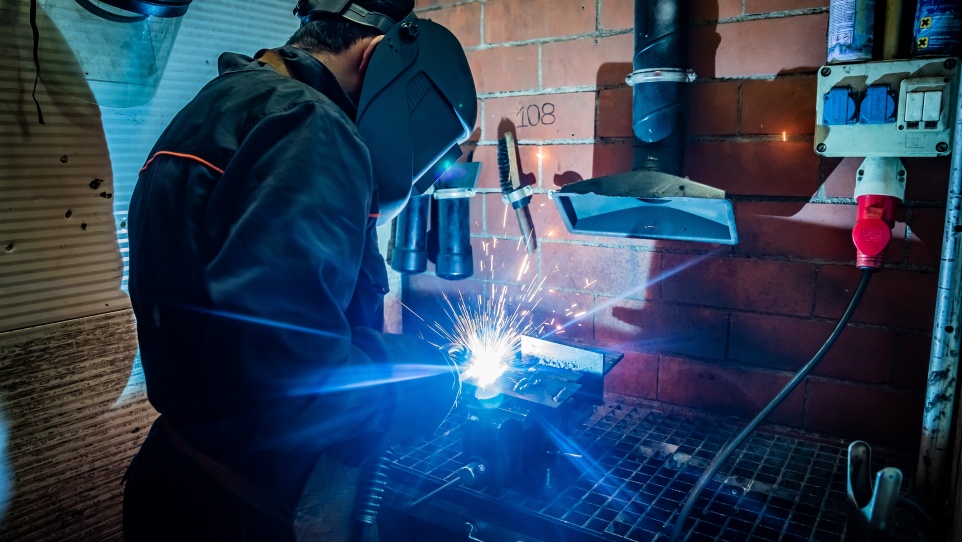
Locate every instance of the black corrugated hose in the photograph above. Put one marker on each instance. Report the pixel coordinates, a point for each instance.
(370, 495)
(750, 428)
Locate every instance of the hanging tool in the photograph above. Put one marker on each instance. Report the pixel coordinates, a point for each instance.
(512, 193)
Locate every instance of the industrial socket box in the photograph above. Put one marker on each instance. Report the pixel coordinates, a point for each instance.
(895, 108)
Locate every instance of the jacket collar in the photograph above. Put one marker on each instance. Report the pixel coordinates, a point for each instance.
(298, 65)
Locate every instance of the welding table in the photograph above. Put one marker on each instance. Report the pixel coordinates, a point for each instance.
(638, 467)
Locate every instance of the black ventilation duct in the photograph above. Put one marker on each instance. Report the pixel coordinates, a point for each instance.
(653, 201)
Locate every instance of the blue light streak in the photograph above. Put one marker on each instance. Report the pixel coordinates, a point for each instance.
(665, 275)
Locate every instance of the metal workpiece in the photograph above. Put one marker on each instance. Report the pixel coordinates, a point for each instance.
(551, 375)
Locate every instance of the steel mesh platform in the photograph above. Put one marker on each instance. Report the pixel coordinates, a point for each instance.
(639, 466)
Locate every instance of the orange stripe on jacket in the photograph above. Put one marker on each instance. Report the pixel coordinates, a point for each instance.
(181, 155)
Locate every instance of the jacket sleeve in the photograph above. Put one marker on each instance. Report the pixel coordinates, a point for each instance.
(293, 206)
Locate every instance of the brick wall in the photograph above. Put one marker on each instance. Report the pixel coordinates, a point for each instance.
(702, 326)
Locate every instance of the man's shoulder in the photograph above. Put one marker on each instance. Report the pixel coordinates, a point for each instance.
(263, 89)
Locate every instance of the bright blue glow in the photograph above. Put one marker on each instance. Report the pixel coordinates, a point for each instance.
(357, 377)
(261, 321)
(596, 473)
(667, 274)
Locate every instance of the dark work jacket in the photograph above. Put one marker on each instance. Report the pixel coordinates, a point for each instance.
(256, 280)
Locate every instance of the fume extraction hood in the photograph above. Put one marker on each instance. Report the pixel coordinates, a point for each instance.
(653, 201)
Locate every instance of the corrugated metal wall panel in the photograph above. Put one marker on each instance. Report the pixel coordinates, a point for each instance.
(71, 437)
(69, 390)
(59, 256)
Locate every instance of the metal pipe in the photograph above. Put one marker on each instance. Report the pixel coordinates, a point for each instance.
(892, 29)
(934, 464)
(657, 107)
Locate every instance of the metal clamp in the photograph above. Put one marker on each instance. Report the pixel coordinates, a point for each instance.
(660, 75)
(517, 195)
(452, 193)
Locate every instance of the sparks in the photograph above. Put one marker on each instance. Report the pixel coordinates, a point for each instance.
(490, 328)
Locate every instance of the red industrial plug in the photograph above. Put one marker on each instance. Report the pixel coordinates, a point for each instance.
(879, 188)
(873, 229)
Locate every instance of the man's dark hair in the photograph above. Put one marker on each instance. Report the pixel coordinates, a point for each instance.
(329, 33)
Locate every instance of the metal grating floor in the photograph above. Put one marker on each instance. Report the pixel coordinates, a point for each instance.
(640, 465)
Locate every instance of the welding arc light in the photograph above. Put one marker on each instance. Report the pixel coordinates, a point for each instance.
(487, 365)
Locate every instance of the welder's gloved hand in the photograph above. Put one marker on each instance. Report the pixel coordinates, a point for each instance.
(424, 383)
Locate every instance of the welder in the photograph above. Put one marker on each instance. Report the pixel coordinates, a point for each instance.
(258, 287)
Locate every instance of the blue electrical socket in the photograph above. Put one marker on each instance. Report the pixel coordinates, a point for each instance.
(878, 105)
(840, 106)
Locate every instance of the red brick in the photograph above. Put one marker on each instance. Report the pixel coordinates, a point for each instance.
(614, 113)
(573, 116)
(739, 283)
(548, 223)
(464, 21)
(566, 164)
(543, 212)
(927, 178)
(510, 20)
(490, 177)
(893, 297)
(503, 260)
(566, 314)
(797, 230)
(726, 390)
(634, 376)
(503, 69)
(771, 6)
(587, 61)
(615, 272)
(648, 326)
(912, 361)
(783, 106)
(928, 227)
(860, 354)
(755, 168)
(502, 220)
(712, 10)
(840, 176)
(791, 45)
(477, 214)
(878, 416)
(611, 158)
(713, 108)
(617, 14)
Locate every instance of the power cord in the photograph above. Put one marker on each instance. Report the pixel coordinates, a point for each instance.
(750, 428)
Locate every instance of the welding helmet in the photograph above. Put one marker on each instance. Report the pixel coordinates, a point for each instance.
(418, 101)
